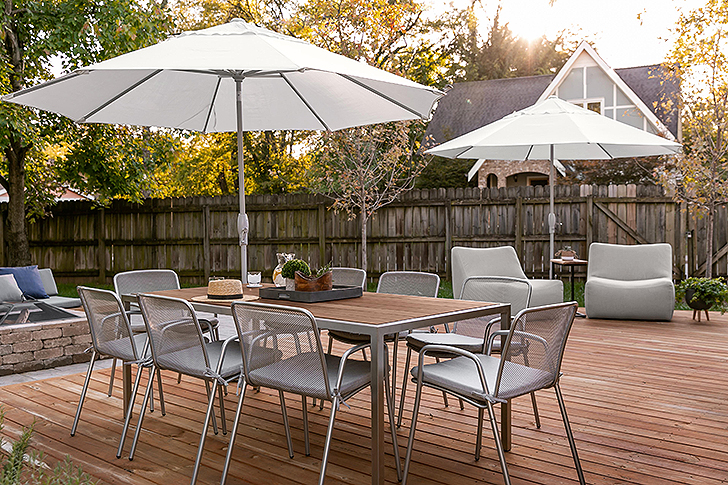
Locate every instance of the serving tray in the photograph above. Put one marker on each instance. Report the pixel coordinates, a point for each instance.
(339, 292)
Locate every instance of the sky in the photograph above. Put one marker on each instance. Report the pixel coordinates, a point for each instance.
(612, 26)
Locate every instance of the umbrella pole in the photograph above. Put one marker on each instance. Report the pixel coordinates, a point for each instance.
(242, 216)
(552, 215)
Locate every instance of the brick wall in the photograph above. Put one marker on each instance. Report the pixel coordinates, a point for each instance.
(34, 346)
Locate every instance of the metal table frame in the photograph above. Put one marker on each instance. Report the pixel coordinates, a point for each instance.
(376, 333)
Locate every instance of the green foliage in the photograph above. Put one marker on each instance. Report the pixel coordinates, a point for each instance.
(324, 269)
(13, 462)
(446, 173)
(289, 269)
(713, 291)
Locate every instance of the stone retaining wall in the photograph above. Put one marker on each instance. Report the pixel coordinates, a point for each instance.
(34, 346)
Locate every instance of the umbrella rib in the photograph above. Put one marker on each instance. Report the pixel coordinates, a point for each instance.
(530, 149)
(212, 105)
(391, 100)
(605, 151)
(310, 108)
(68, 76)
(121, 94)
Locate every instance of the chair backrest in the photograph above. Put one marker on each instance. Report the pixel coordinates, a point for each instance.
(281, 344)
(630, 263)
(110, 330)
(498, 289)
(409, 283)
(174, 334)
(532, 353)
(145, 280)
(500, 261)
(349, 277)
(49, 283)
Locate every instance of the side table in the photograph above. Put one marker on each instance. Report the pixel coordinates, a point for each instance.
(572, 263)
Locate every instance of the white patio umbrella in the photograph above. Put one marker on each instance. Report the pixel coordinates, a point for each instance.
(555, 130)
(232, 77)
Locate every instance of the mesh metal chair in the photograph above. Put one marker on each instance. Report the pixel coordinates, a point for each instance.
(177, 344)
(349, 277)
(300, 367)
(145, 281)
(110, 335)
(413, 283)
(467, 334)
(483, 380)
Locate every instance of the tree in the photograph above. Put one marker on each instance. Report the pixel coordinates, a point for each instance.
(35, 35)
(698, 60)
(363, 169)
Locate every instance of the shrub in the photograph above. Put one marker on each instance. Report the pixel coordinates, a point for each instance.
(289, 269)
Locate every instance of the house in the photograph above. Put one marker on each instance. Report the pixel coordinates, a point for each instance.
(63, 194)
(643, 97)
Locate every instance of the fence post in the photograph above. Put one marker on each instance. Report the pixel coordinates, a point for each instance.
(322, 234)
(206, 226)
(448, 238)
(100, 236)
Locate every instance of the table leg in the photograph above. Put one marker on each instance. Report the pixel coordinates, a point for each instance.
(377, 403)
(506, 407)
(572, 281)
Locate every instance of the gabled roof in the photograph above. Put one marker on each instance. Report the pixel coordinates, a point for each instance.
(468, 106)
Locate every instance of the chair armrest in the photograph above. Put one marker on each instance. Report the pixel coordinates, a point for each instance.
(344, 358)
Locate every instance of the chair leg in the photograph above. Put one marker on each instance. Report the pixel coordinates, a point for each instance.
(569, 434)
(83, 391)
(285, 424)
(413, 427)
(138, 430)
(535, 410)
(151, 396)
(129, 411)
(203, 434)
(444, 394)
(233, 433)
(161, 394)
(498, 444)
(179, 377)
(327, 443)
(479, 436)
(214, 420)
(404, 386)
(111, 378)
(304, 407)
(394, 364)
(462, 404)
(223, 422)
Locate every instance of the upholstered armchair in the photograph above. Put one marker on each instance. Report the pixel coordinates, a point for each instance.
(630, 282)
(500, 261)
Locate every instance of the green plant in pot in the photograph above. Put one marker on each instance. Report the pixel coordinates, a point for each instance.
(289, 271)
(703, 294)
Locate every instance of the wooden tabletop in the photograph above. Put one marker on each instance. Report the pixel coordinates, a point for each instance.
(570, 262)
(370, 308)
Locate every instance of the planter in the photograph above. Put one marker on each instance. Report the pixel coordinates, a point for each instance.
(312, 283)
(290, 284)
(696, 304)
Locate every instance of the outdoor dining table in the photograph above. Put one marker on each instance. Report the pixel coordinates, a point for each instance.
(375, 315)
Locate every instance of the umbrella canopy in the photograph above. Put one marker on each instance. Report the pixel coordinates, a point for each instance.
(555, 130)
(232, 77)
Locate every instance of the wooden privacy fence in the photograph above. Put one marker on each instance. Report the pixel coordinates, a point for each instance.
(197, 236)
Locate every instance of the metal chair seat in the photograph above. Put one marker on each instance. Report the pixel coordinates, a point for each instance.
(416, 341)
(308, 381)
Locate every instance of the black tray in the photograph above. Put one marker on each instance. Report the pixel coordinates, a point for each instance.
(339, 292)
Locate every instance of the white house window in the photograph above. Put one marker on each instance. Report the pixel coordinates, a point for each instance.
(595, 105)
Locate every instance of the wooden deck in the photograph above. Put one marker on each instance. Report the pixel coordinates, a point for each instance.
(648, 403)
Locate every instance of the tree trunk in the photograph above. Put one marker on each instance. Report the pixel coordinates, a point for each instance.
(18, 253)
(709, 242)
(363, 218)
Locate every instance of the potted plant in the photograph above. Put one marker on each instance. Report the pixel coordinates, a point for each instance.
(322, 280)
(703, 294)
(566, 254)
(290, 269)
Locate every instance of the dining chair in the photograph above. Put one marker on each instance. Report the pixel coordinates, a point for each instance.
(470, 334)
(414, 283)
(146, 281)
(177, 344)
(483, 380)
(111, 335)
(302, 368)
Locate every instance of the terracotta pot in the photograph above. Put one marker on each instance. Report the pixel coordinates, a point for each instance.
(696, 304)
(311, 283)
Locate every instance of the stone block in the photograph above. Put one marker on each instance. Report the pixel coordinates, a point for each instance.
(6, 370)
(82, 340)
(56, 342)
(17, 358)
(74, 349)
(5, 349)
(46, 333)
(80, 328)
(15, 336)
(45, 354)
(29, 366)
(79, 358)
(27, 346)
(58, 361)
